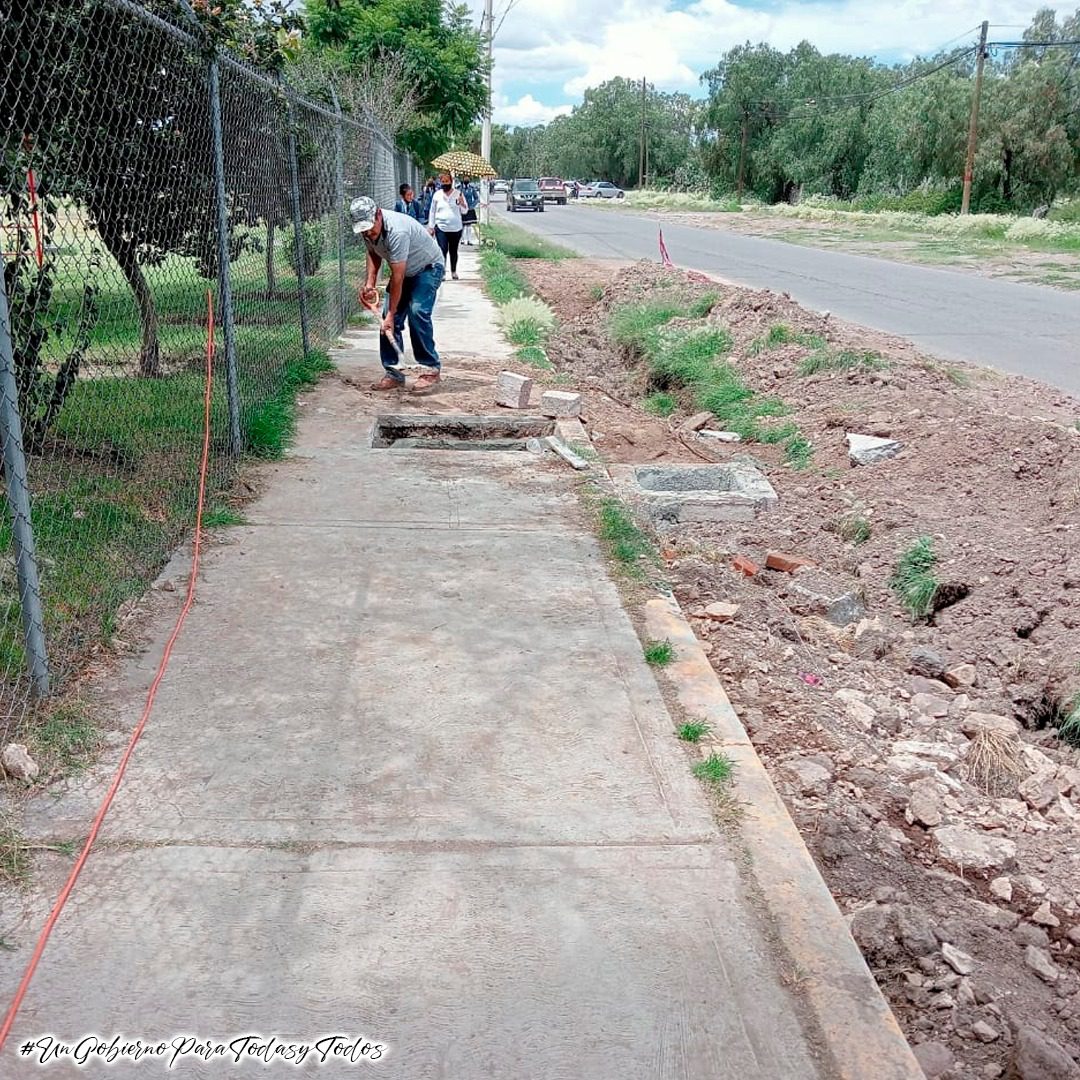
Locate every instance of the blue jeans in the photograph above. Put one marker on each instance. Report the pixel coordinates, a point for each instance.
(417, 299)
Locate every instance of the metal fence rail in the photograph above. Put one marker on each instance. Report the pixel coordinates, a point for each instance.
(140, 168)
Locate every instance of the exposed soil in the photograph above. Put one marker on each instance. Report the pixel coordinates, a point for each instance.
(875, 754)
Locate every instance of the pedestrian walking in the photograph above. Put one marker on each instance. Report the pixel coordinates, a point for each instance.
(468, 219)
(426, 196)
(444, 219)
(416, 272)
(407, 203)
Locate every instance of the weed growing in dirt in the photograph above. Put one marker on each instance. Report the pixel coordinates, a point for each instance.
(715, 769)
(14, 855)
(844, 360)
(220, 517)
(525, 308)
(525, 332)
(854, 527)
(993, 762)
(596, 293)
(798, 452)
(68, 737)
(661, 404)
(693, 731)
(535, 355)
(780, 334)
(914, 581)
(703, 305)
(1069, 729)
(687, 358)
(659, 653)
(625, 542)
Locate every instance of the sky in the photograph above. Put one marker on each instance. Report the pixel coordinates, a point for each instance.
(548, 51)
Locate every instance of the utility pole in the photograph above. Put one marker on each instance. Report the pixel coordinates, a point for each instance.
(973, 130)
(641, 143)
(485, 133)
(742, 158)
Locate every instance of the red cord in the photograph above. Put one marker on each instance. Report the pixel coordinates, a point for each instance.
(38, 250)
(65, 892)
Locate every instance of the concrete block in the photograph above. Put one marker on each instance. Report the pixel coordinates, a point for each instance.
(512, 390)
(720, 436)
(696, 422)
(560, 403)
(869, 449)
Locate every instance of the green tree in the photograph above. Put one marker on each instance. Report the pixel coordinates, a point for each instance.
(441, 50)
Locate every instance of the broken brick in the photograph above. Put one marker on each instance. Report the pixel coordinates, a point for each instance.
(745, 566)
(777, 560)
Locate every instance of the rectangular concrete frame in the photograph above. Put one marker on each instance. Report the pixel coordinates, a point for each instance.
(736, 491)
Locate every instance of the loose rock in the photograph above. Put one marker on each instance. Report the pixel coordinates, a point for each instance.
(934, 1058)
(926, 662)
(1037, 1057)
(975, 722)
(1043, 916)
(924, 805)
(807, 776)
(959, 961)
(869, 449)
(974, 850)
(18, 763)
(1039, 961)
(984, 1032)
(964, 676)
(721, 612)
(1001, 887)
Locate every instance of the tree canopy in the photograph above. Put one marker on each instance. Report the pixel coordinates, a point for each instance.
(440, 50)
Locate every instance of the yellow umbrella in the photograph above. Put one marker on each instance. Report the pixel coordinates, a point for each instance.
(464, 163)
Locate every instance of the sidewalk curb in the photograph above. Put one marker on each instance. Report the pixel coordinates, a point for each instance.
(859, 1030)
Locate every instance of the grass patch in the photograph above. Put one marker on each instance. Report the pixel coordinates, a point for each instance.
(596, 293)
(716, 769)
(661, 404)
(659, 653)
(526, 332)
(221, 517)
(701, 307)
(693, 731)
(271, 425)
(914, 581)
(842, 360)
(534, 355)
(631, 323)
(67, 737)
(502, 279)
(798, 452)
(1069, 729)
(518, 243)
(624, 541)
(780, 334)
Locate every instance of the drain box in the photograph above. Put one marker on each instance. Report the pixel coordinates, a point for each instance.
(732, 491)
(424, 432)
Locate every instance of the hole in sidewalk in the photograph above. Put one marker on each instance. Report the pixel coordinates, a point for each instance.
(421, 432)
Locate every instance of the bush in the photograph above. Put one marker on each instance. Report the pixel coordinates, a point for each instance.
(314, 241)
(525, 308)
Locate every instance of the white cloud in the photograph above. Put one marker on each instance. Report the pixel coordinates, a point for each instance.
(580, 43)
(526, 111)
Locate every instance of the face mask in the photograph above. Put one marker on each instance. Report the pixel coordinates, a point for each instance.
(447, 187)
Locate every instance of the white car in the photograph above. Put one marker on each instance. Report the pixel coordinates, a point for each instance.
(602, 189)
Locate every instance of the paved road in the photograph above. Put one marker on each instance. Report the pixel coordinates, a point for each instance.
(957, 316)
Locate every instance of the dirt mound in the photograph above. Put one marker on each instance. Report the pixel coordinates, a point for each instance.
(949, 811)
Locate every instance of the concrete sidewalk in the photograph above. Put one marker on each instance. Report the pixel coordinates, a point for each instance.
(409, 777)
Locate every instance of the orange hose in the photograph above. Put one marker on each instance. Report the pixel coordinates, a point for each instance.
(65, 892)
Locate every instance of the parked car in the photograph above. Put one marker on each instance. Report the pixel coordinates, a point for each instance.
(525, 195)
(500, 187)
(553, 190)
(602, 189)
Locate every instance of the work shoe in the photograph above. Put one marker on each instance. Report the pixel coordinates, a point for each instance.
(428, 381)
(388, 382)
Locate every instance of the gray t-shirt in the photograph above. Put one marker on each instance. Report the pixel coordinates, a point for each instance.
(404, 239)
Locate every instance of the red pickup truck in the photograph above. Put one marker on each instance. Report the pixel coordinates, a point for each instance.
(553, 190)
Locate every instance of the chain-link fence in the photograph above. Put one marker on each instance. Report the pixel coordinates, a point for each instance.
(143, 169)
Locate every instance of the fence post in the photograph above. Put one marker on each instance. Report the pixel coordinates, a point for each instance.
(18, 496)
(342, 218)
(298, 224)
(225, 300)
